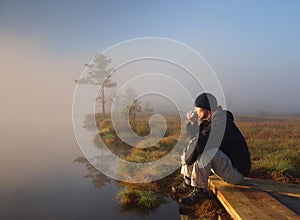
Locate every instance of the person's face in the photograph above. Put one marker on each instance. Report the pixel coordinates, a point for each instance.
(202, 113)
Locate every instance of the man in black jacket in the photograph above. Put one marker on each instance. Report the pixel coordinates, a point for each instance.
(218, 147)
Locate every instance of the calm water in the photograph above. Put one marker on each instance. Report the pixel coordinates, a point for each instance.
(39, 179)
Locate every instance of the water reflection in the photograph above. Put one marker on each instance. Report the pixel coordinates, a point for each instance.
(142, 199)
(187, 213)
(99, 180)
(150, 200)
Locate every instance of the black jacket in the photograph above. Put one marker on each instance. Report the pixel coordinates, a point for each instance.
(225, 135)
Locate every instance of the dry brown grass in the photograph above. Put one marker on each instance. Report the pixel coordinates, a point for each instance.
(274, 144)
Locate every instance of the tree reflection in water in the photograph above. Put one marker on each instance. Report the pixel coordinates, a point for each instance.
(98, 179)
(141, 199)
(144, 199)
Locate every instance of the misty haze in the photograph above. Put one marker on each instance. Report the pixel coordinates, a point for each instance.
(56, 124)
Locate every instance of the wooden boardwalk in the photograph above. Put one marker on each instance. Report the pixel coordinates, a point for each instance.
(251, 199)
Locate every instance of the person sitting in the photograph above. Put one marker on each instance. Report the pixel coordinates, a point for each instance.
(219, 147)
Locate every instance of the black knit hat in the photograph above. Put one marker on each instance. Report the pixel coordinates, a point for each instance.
(206, 101)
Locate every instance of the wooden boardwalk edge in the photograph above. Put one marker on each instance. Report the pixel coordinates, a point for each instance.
(231, 210)
(247, 202)
(271, 186)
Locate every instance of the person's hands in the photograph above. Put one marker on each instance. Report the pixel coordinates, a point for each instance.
(192, 116)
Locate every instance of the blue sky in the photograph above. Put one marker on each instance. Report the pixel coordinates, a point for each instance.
(78, 25)
(253, 46)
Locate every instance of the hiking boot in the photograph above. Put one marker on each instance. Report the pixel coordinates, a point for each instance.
(197, 195)
(182, 188)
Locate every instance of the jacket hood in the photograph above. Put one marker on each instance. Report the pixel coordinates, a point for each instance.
(221, 114)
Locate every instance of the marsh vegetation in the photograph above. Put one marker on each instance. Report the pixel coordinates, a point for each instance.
(274, 144)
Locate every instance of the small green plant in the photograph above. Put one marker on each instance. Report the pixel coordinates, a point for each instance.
(130, 198)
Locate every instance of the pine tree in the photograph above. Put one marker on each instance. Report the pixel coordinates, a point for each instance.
(99, 74)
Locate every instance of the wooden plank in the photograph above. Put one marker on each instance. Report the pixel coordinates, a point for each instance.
(249, 203)
(272, 186)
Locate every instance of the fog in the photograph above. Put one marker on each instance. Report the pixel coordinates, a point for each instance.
(252, 47)
(37, 85)
(268, 88)
(35, 122)
(37, 88)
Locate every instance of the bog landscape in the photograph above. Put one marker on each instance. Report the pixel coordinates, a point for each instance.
(273, 142)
